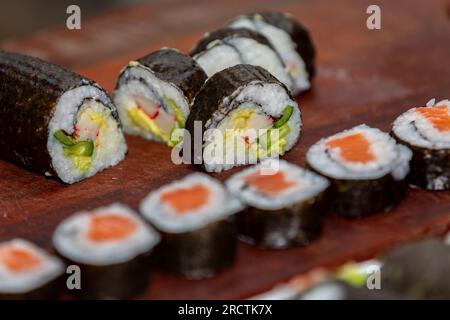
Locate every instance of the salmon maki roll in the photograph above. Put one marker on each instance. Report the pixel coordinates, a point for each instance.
(112, 247)
(285, 204)
(195, 217)
(366, 168)
(426, 131)
(28, 272)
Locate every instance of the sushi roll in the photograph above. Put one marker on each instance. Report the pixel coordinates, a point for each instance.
(55, 122)
(154, 94)
(291, 40)
(245, 115)
(366, 168)
(28, 272)
(195, 218)
(418, 270)
(285, 204)
(228, 47)
(426, 131)
(112, 247)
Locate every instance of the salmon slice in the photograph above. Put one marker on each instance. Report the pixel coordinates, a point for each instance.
(270, 185)
(186, 199)
(353, 148)
(19, 259)
(438, 116)
(110, 227)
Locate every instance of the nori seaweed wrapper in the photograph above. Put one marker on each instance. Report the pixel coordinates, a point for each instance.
(299, 34)
(221, 85)
(116, 281)
(29, 92)
(49, 291)
(225, 33)
(419, 270)
(295, 225)
(181, 70)
(200, 253)
(430, 168)
(359, 198)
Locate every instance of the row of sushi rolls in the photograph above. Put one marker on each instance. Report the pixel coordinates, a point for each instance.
(243, 76)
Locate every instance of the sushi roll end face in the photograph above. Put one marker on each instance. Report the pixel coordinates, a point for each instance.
(366, 168)
(285, 204)
(426, 131)
(245, 115)
(290, 39)
(196, 222)
(154, 93)
(62, 124)
(27, 272)
(112, 247)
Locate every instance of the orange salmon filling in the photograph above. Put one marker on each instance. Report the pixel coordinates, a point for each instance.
(186, 199)
(19, 260)
(110, 227)
(270, 185)
(438, 116)
(353, 148)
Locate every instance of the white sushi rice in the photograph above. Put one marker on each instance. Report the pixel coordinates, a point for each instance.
(28, 280)
(307, 185)
(228, 52)
(71, 241)
(111, 147)
(415, 129)
(271, 98)
(128, 89)
(219, 206)
(284, 45)
(389, 157)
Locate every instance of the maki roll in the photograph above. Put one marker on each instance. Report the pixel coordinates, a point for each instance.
(426, 131)
(285, 204)
(228, 47)
(112, 247)
(418, 270)
(28, 272)
(245, 115)
(55, 122)
(366, 168)
(291, 40)
(154, 93)
(195, 218)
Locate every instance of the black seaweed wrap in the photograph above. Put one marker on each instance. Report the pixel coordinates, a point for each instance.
(29, 92)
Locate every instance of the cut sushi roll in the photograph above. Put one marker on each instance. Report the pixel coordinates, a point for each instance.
(154, 93)
(366, 168)
(228, 47)
(28, 272)
(285, 204)
(291, 40)
(195, 218)
(418, 270)
(426, 131)
(246, 115)
(112, 247)
(55, 122)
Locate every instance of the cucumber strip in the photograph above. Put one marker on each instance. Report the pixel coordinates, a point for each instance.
(82, 148)
(176, 110)
(287, 113)
(63, 138)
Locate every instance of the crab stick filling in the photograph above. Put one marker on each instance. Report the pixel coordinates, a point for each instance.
(352, 148)
(186, 199)
(110, 227)
(17, 259)
(438, 116)
(270, 185)
(158, 118)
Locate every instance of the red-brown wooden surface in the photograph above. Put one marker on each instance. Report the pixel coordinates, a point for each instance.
(363, 77)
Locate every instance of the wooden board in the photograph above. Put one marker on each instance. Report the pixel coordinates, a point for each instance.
(363, 77)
